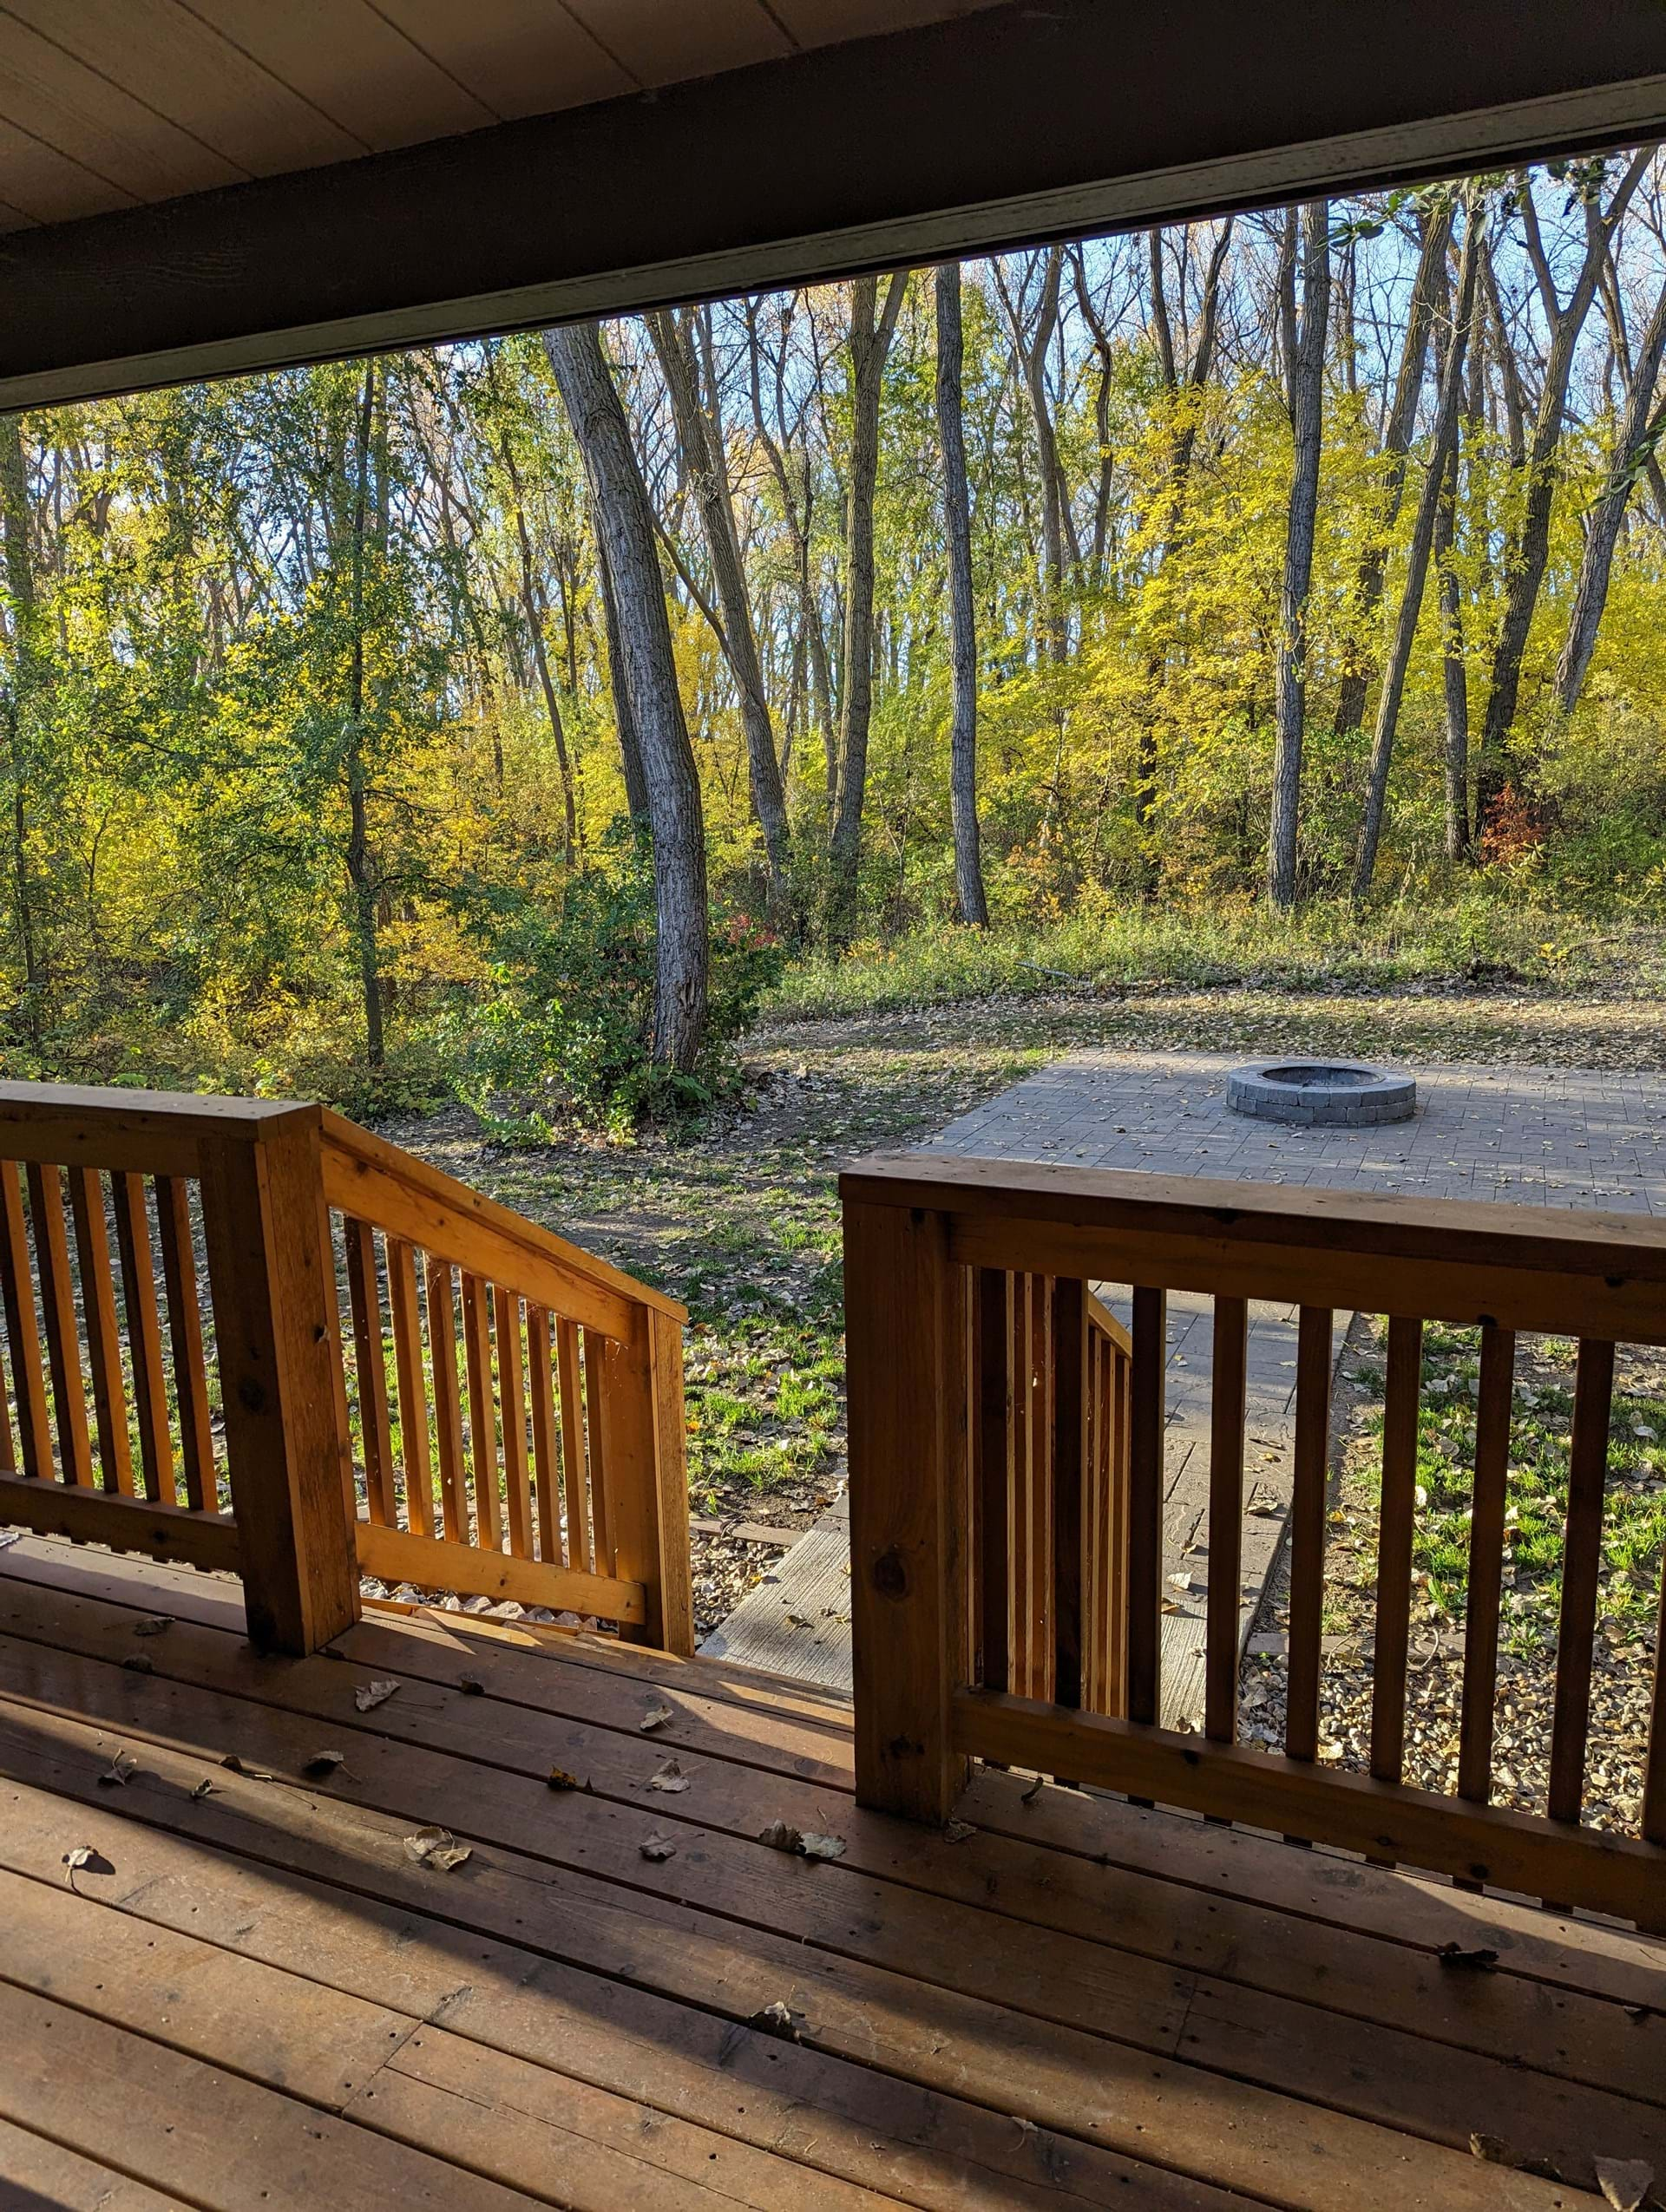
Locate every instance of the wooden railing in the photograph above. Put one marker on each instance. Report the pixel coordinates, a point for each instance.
(173, 1272)
(934, 1689)
(516, 1404)
(1047, 1368)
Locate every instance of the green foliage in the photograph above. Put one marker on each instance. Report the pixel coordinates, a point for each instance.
(561, 1035)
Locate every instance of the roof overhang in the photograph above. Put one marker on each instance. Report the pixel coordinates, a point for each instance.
(1018, 123)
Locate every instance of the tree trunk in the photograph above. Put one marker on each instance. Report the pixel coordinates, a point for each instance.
(625, 524)
(361, 872)
(534, 605)
(20, 585)
(871, 330)
(1396, 444)
(1526, 560)
(1639, 427)
(963, 647)
(706, 462)
(629, 752)
(1417, 563)
(1305, 374)
(1453, 675)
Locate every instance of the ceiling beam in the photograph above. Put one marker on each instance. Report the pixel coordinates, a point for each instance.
(1043, 120)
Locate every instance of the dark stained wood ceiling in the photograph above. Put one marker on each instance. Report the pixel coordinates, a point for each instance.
(108, 104)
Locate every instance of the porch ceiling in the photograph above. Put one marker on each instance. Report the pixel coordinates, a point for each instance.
(193, 187)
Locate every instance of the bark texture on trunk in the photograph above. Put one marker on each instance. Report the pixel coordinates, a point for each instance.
(24, 679)
(871, 330)
(360, 869)
(701, 440)
(963, 636)
(1304, 356)
(625, 523)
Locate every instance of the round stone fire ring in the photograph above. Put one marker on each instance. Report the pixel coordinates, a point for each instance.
(1320, 1094)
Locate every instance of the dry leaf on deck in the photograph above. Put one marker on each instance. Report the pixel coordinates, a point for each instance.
(323, 1763)
(137, 1663)
(471, 1685)
(1479, 1961)
(436, 1847)
(958, 1831)
(119, 1771)
(781, 1835)
(154, 1626)
(205, 1788)
(559, 1778)
(249, 1773)
(1624, 2182)
(655, 1717)
(369, 1694)
(669, 1778)
(821, 1847)
(1490, 2149)
(657, 1848)
(83, 1855)
(778, 2020)
(1028, 1796)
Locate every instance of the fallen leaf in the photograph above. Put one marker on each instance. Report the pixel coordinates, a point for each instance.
(323, 1763)
(250, 1773)
(655, 1717)
(369, 1694)
(670, 1777)
(821, 1847)
(119, 1771)
(11, 1536)
(83, 1855)
(137, 1663)
(471, 1685)
(958, 1831)
(657, 1848)
(559, 1778)
(1624, 2182)
(1029, 1796)
(436, 1847)
(781, 1835)
(778, 2020)
(1489, 2149)
(154, 1626)
(205, 1788)
(1479, 1961)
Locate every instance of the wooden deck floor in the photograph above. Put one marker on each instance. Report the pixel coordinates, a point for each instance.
(252, 1996)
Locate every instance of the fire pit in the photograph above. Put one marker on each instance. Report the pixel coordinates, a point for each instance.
(1320, 1094)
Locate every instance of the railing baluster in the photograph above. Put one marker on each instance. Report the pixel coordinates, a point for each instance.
(580, 1549)
(103, 1331)
(1582, 1553)
(1396, 1527)
(1227, 1400)
(1020, 1485)
(546, 1447)
(483, 1411)
(185, 1335)
(1094, 1489)
(1039, 1606)
(994, 1412)
(447, 1411)
(1485, 1563)
(62, 1335)
(506, 1315)
(602, 1533)
(1309, 1474)
(144, 1334)
(408, 1376)
(1144, 1554)
(370, 1361)
(1067, 1328)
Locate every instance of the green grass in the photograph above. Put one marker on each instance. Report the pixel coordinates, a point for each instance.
(1634, 1528)
(1487, 937)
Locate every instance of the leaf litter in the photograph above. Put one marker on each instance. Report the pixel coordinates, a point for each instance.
(437, 1847)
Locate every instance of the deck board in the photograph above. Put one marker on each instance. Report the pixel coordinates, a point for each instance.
(1082, 2001)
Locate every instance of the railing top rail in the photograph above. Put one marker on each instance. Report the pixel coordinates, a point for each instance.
(108, 1126)
(356, 1160)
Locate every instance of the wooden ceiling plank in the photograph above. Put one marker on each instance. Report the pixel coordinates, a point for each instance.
(351, 63)
(661, 44)
(91, 119)
(47, 186)
(187, 71)
(520, 57)
(823, 22)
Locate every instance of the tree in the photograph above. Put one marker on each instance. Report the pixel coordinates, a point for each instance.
(963, 649)
(699, 430)
(872, 328)
(1304, 370)
(676, 818)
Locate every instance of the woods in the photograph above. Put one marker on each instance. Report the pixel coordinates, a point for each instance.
(500, 718)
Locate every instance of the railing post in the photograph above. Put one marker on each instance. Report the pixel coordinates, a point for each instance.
(270, 1276)
(645, 1472)
(905, 1337)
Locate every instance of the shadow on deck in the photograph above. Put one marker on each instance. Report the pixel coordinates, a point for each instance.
(1076, 2002)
